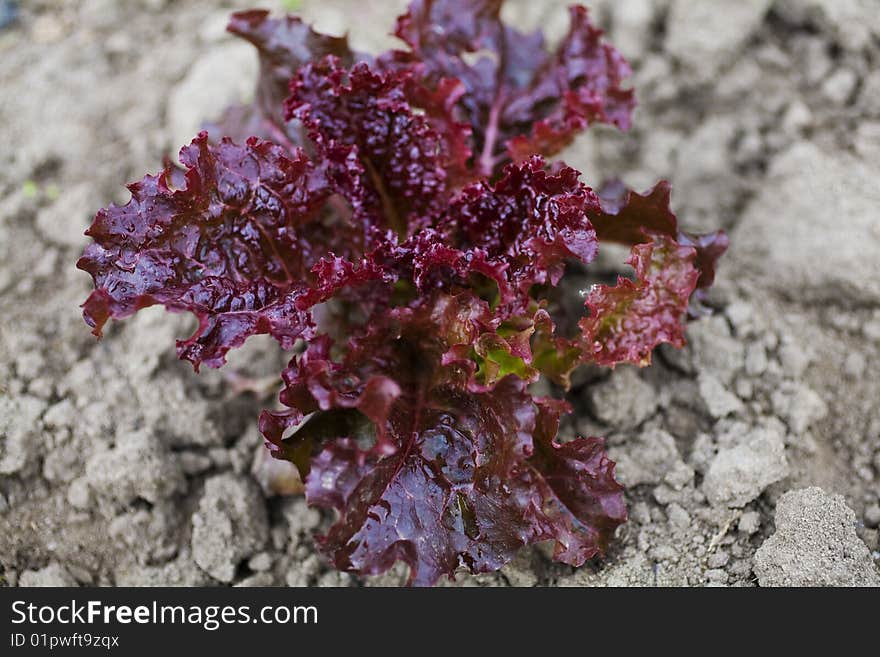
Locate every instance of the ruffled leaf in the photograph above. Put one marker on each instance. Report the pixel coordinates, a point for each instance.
(532, 221)
(284, 44)
(672, 268)
(553, 356)
(628, 320)
(403, 156)
(452, 477)
(234, 246)
(520, 98)
(629, 218)
(581, 503)
(440, 500)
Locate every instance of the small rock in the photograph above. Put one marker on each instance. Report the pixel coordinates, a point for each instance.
(871, 328)
(139, 466)
(702, 452)
(678, 517)
(872, 515)
(716, 576)
(756, 359)
(815, 544)
(52, 575)
(80, 574)
(867, 140)
(20, 431)
(744, 388)
(257, 579)
(718, 559)
(839, 86)
(640, 513)
(796, 118)
(749, 522)
(714, 349)
(739, 474)
(663, 553)
(719, 401)
(794, 358)
(78, 493)
(194, 463)
(854, 365)
(741, 314)
(300, 574)
(665, 495)
(260, 562)
(647, 459)
(180, 572)
(680, 474)
(152, 533)
(230, 525)
(624, 400)
(60, 415)
(798, 405)
(42, 387)
(220, 457)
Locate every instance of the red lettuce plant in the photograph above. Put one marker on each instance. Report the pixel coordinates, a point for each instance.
(392, 221)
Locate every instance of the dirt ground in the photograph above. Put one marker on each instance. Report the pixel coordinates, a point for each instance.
(752, 457)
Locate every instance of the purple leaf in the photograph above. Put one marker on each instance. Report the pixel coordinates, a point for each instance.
(520, 99)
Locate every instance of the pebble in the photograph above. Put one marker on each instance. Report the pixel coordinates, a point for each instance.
(624, 400)
(739, 474)
(663, 553)
(640, 513)
(52, 575)
(796, 118)
(717, 576)
(718, 559)
(872, 515)
(871, 328)
(719, 401)
(756, 359)
(855, 364)
(79, 495)
(749, 522)
(798, 405)
(194, 463)
(231, 524)
(678, 517)
(839, 87)
(260, 562)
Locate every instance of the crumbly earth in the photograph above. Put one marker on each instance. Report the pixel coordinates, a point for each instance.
(119, 465)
